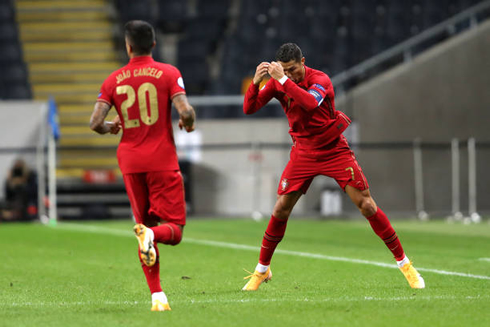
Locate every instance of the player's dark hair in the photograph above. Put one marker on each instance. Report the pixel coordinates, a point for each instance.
(288, 52)
(140, 36)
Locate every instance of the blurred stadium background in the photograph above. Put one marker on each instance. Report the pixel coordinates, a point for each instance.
(413, 75)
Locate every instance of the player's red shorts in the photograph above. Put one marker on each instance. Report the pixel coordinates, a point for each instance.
(336, 161)
(156, 196)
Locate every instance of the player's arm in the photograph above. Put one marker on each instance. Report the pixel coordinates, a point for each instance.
(97, 120)
(254, 98)
(307, 99)
(186, 112)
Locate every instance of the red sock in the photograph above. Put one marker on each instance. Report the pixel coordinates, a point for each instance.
(273, 235)
(168, 233)
(152, 273)
(382, 227)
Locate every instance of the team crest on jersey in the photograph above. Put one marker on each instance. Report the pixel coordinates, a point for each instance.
(284, 184)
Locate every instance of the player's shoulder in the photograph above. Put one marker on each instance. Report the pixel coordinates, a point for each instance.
(317, 76)
(312, 72)
(118, 75)
(166, 67)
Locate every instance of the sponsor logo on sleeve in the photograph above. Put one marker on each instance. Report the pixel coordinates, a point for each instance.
(180, 82)
(100, 94)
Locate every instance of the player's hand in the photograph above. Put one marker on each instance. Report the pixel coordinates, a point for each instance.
(260, 72)
(276, 70)
(188, 127)
(115, 125)
(187, 119)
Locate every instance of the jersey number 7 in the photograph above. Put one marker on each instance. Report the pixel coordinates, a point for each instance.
(143, 90)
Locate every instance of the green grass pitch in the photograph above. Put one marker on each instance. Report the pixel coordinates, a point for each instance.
(87, 274)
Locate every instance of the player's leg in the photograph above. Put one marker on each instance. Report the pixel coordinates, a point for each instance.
(377, 219)
(167, 205)
(147, 250)
(137, 191)
(382, 227)
(295, 181)
(273, 235)
(341, 164)
(159, 300)
(277, 225)
(138, 197)
(168, 233)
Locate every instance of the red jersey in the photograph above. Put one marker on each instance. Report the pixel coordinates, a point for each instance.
(309, 107)
(142, 93)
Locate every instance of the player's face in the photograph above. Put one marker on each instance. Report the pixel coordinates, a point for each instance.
(294, 70)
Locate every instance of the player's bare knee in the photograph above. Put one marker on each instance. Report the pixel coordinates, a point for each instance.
(281, 213)
(367, 207)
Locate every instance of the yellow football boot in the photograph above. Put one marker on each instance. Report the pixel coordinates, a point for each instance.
(256, 279)
(145, 239)
(412, 275)
(157, 305)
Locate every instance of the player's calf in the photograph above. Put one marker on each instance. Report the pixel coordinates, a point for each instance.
(168, 233)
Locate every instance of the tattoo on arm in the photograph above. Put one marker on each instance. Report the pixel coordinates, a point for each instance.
(186, 112)
(101, 109)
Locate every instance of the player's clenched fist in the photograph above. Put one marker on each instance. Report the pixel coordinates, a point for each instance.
(260, 72)
(115, 125)
(187, 124)
(276, 70)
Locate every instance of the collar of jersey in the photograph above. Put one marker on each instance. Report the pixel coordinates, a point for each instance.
(141, 59)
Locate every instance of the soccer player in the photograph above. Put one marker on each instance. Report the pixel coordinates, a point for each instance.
(142, 93)
(319, 148)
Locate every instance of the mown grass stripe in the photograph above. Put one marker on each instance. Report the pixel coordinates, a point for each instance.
(103, 230)
(250, 300)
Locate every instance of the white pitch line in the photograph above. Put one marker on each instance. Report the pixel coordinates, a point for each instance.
(104, 230)
(60, 304)
(248, 300)
(484, 259)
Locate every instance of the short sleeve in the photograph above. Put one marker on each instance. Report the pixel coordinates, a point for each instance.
(176, 82)
(105, 94)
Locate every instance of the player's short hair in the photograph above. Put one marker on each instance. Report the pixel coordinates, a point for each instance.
(140, 36)
(288, 52)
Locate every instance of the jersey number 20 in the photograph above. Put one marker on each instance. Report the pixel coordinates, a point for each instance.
(147, 119)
